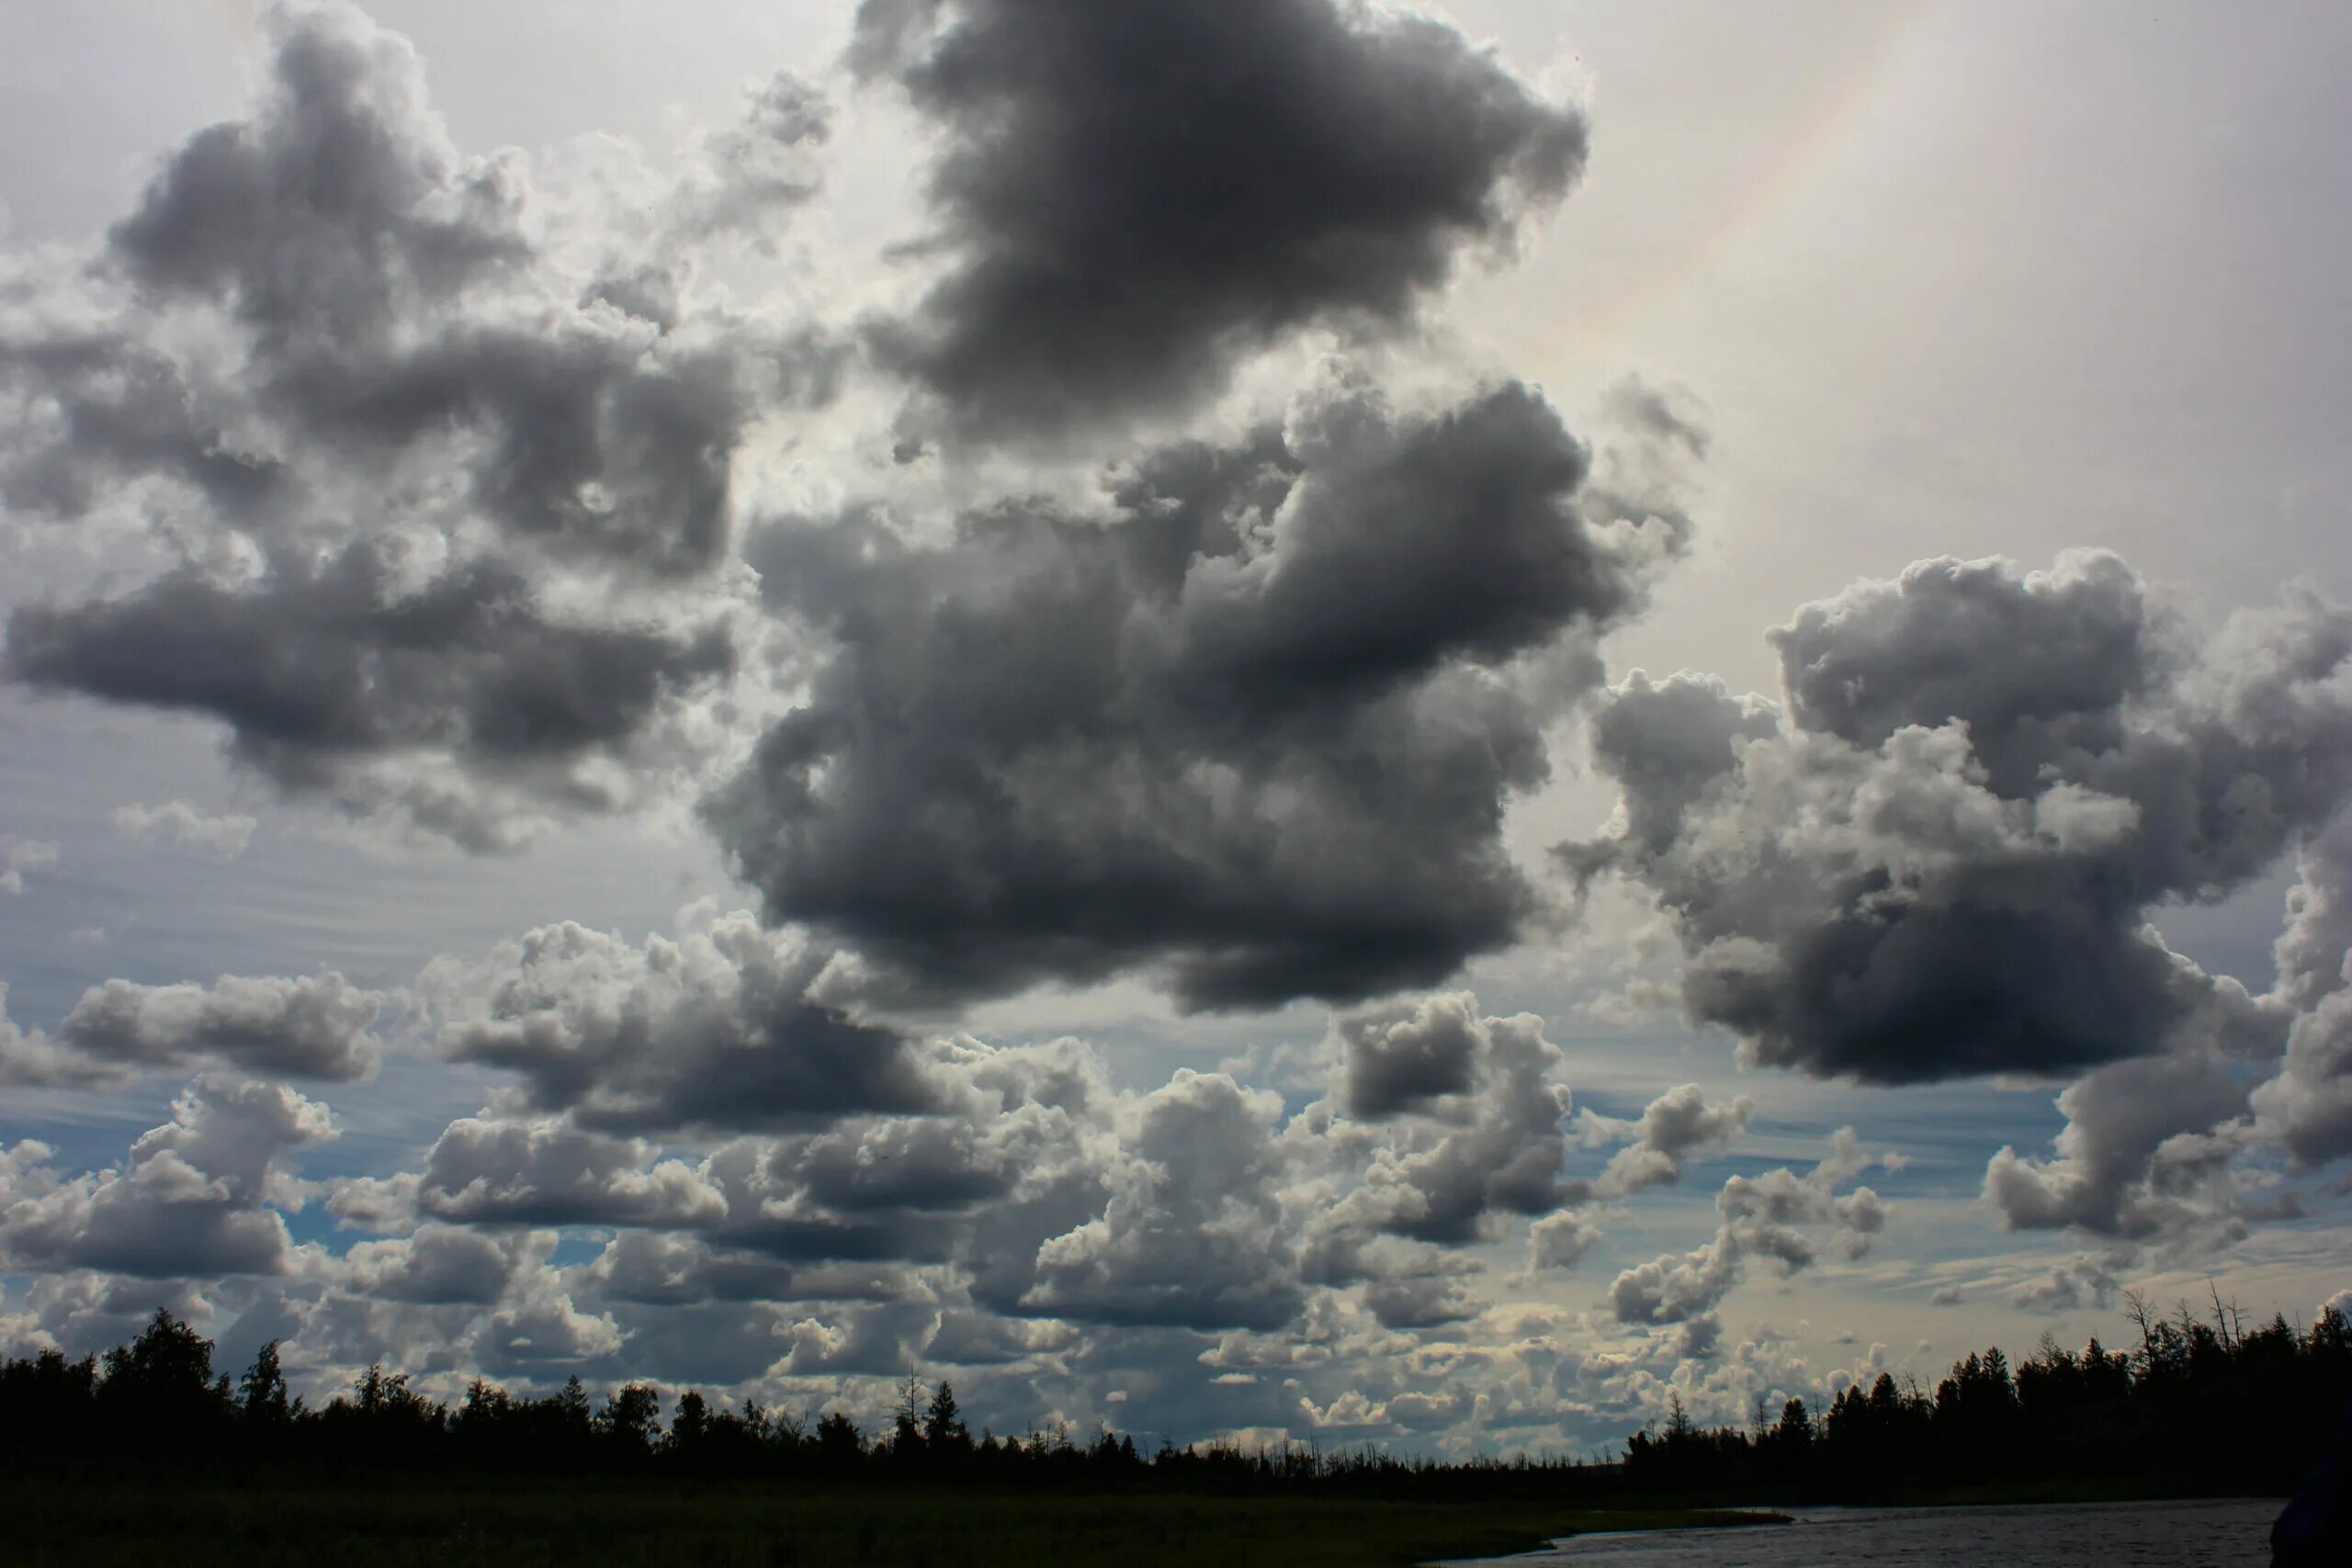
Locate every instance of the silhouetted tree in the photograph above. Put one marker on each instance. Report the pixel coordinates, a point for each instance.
(946, 1438)
(628, 1421)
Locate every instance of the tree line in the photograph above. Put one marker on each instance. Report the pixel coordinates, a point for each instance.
(2194, 1404)
(158, 1403)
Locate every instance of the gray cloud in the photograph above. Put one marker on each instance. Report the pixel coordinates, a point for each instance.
(1186, 1238)
(319, 669)
(2143, 1155)
(392, 301)
(1018, 1173)
(1455, 1170)
(2307, 1108)
(1254, 729)
(717, 1030)
(1405, 1056)
(1772, 1217)
(375, 405)
(2070, 1286)
(314, 1026)
(195, 1197)
(1943, 859)
(488, 1170)
(444, 1265)
(1137, 195)
(1677, 1126)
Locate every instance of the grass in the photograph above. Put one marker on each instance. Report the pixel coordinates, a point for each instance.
(580, 1525)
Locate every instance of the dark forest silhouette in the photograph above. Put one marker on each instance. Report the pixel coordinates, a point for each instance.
(2193, 1405)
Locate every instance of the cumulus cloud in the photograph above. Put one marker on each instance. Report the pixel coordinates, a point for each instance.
(199, 1196)
(1455, 1170)
(178, 823)
(416, 463)
(1186, 1238)
(1772, 1217)
(1253, 730)
(1133, 198)
(445, 1265)
(313, 1026)
(532, 1172)
(2167, 1149)
(721, 1028)
(1940, 857)
(2307, 1108)
(2145, 1155)
(1677, 1127)
(1040, 1191)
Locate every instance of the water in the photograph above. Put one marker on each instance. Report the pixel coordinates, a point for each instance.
(2113, 1535)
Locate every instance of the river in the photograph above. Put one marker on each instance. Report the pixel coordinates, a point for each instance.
(2204, 1534)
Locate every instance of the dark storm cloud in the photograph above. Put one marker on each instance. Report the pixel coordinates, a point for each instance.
(1942, 860)
(343, 659)
(1136, 195)
(1256, 727)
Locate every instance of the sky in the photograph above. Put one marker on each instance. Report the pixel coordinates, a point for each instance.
(1401, 723)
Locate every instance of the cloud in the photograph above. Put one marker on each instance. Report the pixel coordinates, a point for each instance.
(1252, 732)
(416, 459)
(2144, 1155)
(1558, 1241)
(519, 1172)
(1677, 1127)
(1407, 1055)
(1134, 198)
(314, 1026)
(1183, 1239)
(18, 856)
(1770, 1217)
(391, 297)
(1941, 859)
(320, 670)
(2160, 1148)
(195, 1199)
(722, 1028)
(2070, 1286)
(2307, 1108)
(445, 1265)
(177, 822)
